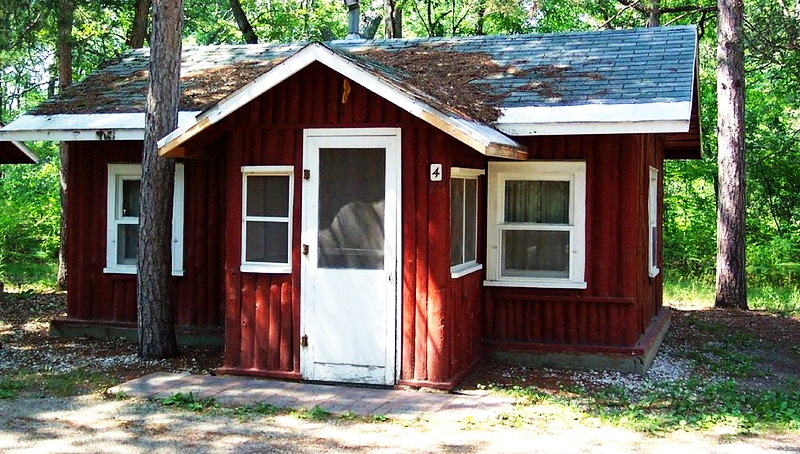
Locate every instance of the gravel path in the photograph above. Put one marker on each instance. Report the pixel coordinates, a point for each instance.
(90, 424)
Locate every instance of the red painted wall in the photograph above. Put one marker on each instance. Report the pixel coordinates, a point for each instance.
(441, 333)
(93, 295)
(445, 320)
(620, 299)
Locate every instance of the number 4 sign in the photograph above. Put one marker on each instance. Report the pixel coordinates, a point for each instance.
(436, 172)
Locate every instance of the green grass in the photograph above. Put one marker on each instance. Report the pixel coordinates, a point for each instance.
(24, 382)
(665, 406)
(776, 300)
(29, 276)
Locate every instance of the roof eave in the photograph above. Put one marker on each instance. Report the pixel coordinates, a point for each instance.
(83, 127)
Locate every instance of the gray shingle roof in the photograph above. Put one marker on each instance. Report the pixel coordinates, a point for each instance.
(634, 66)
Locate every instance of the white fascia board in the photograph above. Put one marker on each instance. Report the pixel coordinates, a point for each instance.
(659, 117)
(483, 138)
(78, 127)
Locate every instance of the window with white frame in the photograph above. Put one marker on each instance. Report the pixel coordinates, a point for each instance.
(464, 221)
(536, 224)
(652, 223)
(267, 219)
(122, 234)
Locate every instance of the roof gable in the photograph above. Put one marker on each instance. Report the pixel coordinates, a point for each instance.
(375, 78)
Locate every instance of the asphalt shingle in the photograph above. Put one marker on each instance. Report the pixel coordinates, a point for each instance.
(605, 67)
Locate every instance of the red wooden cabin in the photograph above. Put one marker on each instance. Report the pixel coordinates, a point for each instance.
(357, 212)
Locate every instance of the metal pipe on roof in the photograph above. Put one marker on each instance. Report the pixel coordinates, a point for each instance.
(353, 19)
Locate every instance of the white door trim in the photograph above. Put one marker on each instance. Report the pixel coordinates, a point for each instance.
(390, 139)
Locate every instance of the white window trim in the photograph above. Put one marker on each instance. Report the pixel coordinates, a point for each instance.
(116, 174)
(652, 221)
(499, 173)
(266, 267)
(463, 269)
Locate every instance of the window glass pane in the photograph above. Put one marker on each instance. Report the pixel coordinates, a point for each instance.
(653, 246)
(541, 202)
(267, 242)
(268, 195)
(470, 219)
(352, 184)
(456, 221)
(127, 243)
(130, 199)
(535, 253)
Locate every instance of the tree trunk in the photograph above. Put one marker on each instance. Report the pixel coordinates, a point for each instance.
(243, 23)
(154, 258)
(139, 26)
(371, 25)
(654, 14)
(393, 19)
(66, 18)
(731, 280)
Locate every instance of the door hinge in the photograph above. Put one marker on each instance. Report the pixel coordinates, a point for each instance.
(306, 174)
(304, 340)
(305, 249)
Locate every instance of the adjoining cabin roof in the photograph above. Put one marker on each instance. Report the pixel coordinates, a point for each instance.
(16, 153)
(617, 81)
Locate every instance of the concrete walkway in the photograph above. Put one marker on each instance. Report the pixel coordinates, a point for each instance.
(396, 404)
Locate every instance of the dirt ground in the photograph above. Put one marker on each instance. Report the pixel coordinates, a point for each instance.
(75, 417)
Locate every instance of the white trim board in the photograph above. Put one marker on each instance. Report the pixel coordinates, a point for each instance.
(480, 137)
(79, 127)
(659, 117)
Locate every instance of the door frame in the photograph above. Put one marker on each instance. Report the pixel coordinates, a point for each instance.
(393, 144)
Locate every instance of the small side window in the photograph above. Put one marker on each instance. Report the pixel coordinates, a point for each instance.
(267, 219)
(122, 230)
(652, 209)
(464, 221)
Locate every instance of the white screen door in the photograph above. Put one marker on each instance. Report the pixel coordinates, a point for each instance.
(350, 225)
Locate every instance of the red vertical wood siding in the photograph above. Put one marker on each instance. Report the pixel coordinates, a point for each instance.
(95, 296)
(444, 319)
(441, 332)
(620, 300)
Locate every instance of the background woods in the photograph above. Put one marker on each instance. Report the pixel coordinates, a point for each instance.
(101, 30)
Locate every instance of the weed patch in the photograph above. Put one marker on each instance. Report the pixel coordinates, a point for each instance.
(190, 402)
(316, 413)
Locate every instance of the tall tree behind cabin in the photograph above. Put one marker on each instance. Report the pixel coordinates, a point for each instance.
(731, 286)
(154, 258)
(66, 18)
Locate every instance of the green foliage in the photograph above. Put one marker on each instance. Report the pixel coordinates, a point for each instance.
(316, 413)
(9, 387)
(190, 402)
(29, 212)
(778, 300)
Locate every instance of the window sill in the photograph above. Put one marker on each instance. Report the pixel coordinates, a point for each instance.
(132, 270)
(537, 284)
(265, 269)
(464, 269)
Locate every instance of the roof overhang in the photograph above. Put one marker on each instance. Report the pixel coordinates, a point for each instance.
(478, 136)
(80, 127)
(659, 117)
(16, 153)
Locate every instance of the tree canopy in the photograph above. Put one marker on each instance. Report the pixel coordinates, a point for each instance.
(103, 28)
